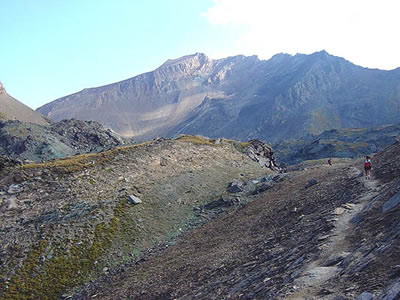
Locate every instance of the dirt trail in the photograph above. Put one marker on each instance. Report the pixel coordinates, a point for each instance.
(311, 282)
(255, 251)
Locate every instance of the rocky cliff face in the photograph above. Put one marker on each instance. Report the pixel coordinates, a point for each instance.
(12, 109)
(240, 97)
(68, 137)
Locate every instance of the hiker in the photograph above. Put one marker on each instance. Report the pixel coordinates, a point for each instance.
(367, 166)
(330, 162)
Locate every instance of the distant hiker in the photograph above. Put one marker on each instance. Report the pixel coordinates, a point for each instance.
(367, 167)
(330, 162)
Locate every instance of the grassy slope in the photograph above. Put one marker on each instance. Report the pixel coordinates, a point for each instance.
(81, 222)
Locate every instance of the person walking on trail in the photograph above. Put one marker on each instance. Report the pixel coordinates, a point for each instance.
(330, 162)
(367, 167)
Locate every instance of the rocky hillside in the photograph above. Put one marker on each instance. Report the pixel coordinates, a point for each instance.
(352, 142)
(71, 221)
(12, 109)
(28, 141)
(316, 232)
(240, 97)
(195, 218)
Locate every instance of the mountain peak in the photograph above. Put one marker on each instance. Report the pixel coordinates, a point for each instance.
(2, 89)
(199, 57)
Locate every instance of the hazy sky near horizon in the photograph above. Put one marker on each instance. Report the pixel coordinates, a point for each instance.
(52, 48)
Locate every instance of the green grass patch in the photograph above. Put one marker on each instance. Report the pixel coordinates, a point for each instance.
(76, 163)
(40, 278)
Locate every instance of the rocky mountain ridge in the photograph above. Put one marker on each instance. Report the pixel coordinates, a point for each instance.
(240, 97)
(343, 143)
(34, 142)
(12, 109)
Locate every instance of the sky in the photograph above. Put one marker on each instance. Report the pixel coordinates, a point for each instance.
(53, 48)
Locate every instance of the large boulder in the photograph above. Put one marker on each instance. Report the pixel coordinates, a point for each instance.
(263, 154)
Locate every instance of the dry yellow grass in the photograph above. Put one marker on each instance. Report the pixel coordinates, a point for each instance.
(78, 162)
(195, 140)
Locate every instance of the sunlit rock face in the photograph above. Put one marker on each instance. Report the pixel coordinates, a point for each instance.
(240, 97)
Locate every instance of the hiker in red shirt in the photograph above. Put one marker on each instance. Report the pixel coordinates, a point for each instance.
(367, 167)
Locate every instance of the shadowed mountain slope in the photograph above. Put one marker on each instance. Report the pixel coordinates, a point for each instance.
(351, 143)
(12, 109)
(240, 97)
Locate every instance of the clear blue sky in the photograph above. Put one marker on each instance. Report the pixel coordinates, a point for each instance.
(52, 48)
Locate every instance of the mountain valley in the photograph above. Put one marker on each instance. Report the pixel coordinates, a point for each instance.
(206, 179)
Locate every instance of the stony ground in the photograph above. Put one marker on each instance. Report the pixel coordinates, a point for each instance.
(319, 232)
(66, 222)
(312, 232)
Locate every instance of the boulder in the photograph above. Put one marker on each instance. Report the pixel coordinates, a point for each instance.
(262, 153)
(134, 200)
(392, 292)
(311, 182)
(391, 203)
(235, 186)
(365, 296)
(14, 189)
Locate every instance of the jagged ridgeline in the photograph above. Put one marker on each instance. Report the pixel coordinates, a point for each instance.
(68, 221)
(240, 98)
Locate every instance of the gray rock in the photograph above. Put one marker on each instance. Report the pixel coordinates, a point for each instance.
(262, 188)
(311, 182)
(134, 200)
(391, 203)
(14, 189)
(339, 211)
(335, 259)
(392, 292)
(12, 203)
(365, 296)
(235, 186)
(221, 202)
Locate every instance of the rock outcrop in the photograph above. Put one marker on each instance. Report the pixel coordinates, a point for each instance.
(68, 137)
(262, 153)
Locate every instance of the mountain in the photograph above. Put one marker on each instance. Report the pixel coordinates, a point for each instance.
(240, 97)
(350, 142)
(12, 109)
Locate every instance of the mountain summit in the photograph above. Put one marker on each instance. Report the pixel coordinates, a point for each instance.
(240, 97)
